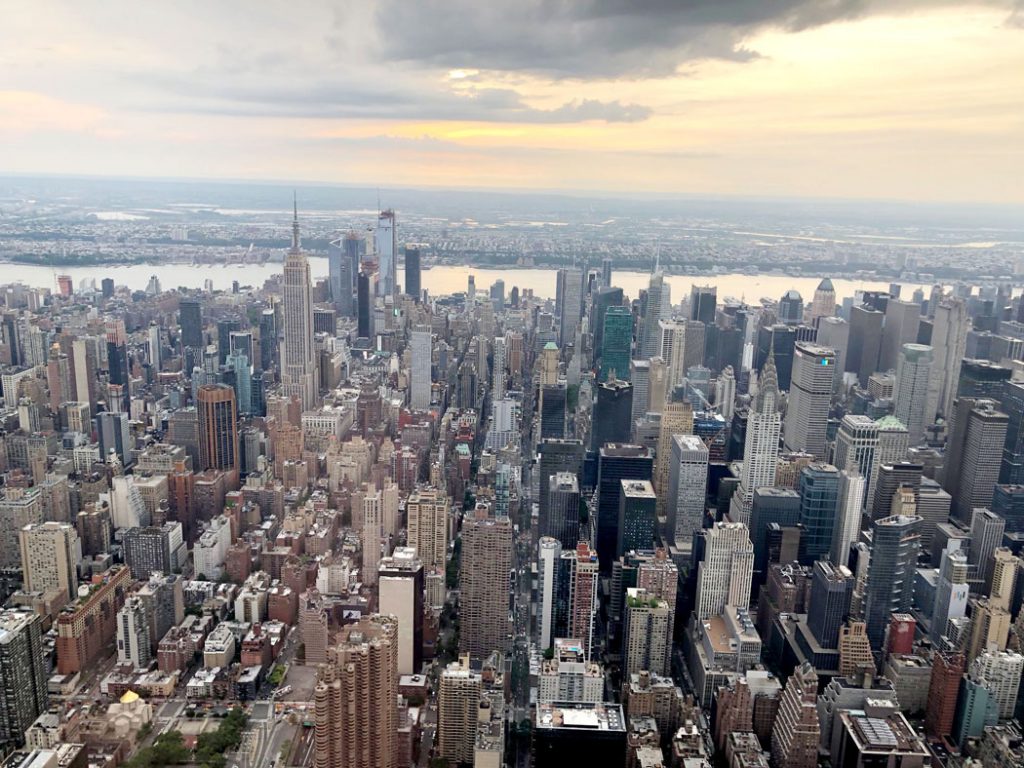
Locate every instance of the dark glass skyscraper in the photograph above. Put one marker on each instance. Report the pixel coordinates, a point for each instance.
(612, 413)
(268, 340)
(363, 294)
(616, 462)
(819, 494)
(890, 585)
(831, 594)
(413, 287)
(616, 341)
(343, 266)
(190, 317)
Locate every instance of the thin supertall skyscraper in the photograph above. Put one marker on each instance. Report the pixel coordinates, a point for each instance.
(298, 357)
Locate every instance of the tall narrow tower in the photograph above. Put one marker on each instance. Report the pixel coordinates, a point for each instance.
(298, 359)
(761, 445)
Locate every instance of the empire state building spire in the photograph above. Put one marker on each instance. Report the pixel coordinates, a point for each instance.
(295, 223)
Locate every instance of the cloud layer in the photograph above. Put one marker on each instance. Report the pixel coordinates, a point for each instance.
(906, 98)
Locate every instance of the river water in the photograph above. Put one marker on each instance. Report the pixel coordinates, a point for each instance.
(438, 280)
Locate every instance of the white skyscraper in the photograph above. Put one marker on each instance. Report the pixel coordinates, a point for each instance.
(155, 347)
(298, 357)
(949, 343)
(549, 551)
(951, 592)
(761, 445)
(640, 378)
(385, 244)
(724, 575)
(913, 374)
(133, 643)
(848, 514)
(688, 477)
(570, 288)
(419, 384)
(658, 303)
(725, 393)
(810, 393)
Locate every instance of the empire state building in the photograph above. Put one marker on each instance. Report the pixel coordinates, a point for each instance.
(298, 357)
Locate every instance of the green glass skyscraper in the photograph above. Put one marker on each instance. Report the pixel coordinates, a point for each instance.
(615, 343)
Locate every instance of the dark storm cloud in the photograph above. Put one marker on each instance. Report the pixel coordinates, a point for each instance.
(379, 99)
(602, 38)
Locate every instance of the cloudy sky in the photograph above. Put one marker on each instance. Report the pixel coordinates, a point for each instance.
(909, 99)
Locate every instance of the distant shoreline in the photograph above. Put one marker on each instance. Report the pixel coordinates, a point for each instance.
(668, 270)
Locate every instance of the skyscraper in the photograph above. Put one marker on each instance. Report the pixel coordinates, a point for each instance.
(354, 698)
(864, 342)
(760, 446)
(890, 583)
(420, 366)
(563, 520)
(948, 342)
(483, 580)
(819, 496)
(616, 462)
(901, 323)
(913, 373)
(950, 593)
(118, 364)
(458, 708)
(856, 441)
(891, 449)
(549, 553)
(343, 266)
(849, 507)
(724, 575)
(947, 670)
(824, 302)
(218, 427)
(809, 396)
(612, 411)
(583, 595)
(413, 287)
(385, 242)
(400, 594)
(831, 594)
(23, 692)
(556, 455)
(50, 553)
(640, 378)
(658, 303)
(687, 489)
(703, 301)
(676, 419)
(298, 357)
(797, 729)
(637, 516)
(647, 641)
(974, 451)
(427, 513)
(570, 286)
(791, 308)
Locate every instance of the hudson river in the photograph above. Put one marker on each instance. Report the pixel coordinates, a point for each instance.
(437, 280)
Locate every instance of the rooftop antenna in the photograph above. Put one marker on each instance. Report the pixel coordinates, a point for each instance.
(295, 221)
(657, 258)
